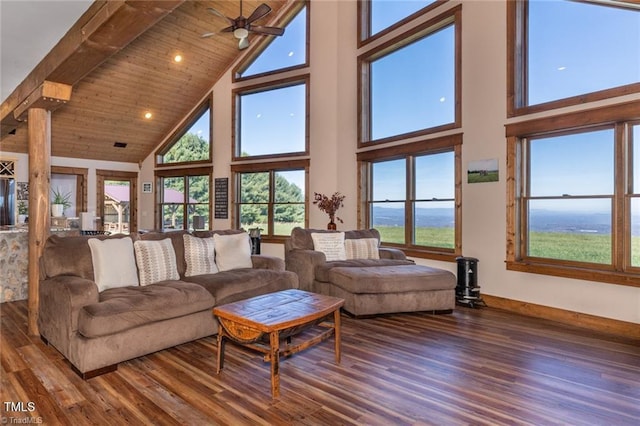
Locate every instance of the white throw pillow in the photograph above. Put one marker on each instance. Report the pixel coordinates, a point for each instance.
(331, 244)
(233, 251)
(362, 248)
(199, 254)
(114, 264)
(156, 261)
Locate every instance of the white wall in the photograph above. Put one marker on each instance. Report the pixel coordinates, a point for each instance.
(333, 132)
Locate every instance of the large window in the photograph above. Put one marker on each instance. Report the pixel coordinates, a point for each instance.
(271, 131)
(575, 209)
(410, 85)
(282, 52)
(271, 199)
(191, 143)
(413, 196)
(183, 194)
(568, 52)
(381, 16)
(272, 119)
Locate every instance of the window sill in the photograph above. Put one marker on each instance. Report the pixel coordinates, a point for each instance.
(426, 254)
(609, 277)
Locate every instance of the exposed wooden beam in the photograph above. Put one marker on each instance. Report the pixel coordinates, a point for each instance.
(105, 29)
(49, 96)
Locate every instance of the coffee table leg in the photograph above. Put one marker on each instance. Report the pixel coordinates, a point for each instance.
(274, 344)
(336, 333)
(220, 350)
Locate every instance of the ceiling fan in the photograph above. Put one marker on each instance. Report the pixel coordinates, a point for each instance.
(241, 26)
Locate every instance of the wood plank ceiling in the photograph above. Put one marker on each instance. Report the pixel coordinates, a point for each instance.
(108, 104)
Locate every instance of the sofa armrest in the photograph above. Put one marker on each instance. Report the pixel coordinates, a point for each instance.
(61, 299)
(391, 253)
(303, 263)
(261, 261)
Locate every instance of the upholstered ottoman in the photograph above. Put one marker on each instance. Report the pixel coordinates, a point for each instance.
(397, 288)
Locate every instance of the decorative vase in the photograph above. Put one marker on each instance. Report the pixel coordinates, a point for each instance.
(57, 210)
(331, 226)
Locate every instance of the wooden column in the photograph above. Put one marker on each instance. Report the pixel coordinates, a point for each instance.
(39, 209)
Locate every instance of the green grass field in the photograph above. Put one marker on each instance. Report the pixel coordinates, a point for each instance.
(552, 245)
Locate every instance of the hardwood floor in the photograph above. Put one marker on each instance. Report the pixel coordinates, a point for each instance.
(471, 367)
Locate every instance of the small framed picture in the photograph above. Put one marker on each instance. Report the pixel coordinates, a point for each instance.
(147, 187)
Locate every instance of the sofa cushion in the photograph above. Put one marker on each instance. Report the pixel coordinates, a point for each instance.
(124, 308)
(331, 244)
(233, 251)
(70, 255)
(114, 264)
(301, 237)
(156, 261)
(238, 284)
(199, 255)
(362, 248)
(392, 279)
(322, 271)
(177, 242)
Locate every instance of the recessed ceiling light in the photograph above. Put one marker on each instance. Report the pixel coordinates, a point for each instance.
(148, 115)
(177, 58)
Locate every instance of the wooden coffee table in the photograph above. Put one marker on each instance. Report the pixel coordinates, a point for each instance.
(262, 322)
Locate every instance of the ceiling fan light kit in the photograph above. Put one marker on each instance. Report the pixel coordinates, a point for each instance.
(241, 26)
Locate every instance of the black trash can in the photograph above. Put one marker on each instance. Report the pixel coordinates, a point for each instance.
(467, 288)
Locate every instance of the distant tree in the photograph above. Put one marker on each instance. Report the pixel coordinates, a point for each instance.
(255, 189)
(190, 147)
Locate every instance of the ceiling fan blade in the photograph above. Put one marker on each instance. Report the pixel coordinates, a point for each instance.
(207, 35)
(267, 30)
(260, 12)
(244, 43)
(215, 12)
(228, 29)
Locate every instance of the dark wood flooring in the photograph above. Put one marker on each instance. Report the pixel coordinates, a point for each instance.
(471, 367)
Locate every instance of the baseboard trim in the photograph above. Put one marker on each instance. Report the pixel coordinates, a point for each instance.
(577, 319)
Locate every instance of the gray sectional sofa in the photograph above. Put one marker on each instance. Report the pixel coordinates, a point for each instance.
(95, 328)
(371, 279)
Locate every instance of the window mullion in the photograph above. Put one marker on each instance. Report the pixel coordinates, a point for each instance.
(620, 228)
(409, 232)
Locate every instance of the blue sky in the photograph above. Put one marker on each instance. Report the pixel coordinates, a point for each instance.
(578, 48)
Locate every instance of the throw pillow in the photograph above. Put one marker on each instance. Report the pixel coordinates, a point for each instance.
(114, 264)
(331, 244)
(156, 261)
(199, 254)
(362, 248)
(233, 251)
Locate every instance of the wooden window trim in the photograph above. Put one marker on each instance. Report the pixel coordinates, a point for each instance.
(271, 168)
(610, 116)
(179, 172)
(181, 130)
(132, 177)
(264, 42)
(82, 176)
(364, 21)
(449, 17)
(424, 147)
(263, 87)
(517, 22)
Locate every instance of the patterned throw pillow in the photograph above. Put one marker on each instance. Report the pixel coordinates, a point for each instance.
(113, 263)
(233, 251)
(331, 244)
(156, 261)
(199, 255)
(362, 248)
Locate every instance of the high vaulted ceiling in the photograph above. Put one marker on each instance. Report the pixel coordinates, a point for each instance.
(119, 59)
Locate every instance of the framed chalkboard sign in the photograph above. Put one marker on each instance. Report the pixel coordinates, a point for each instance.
(221, 206)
